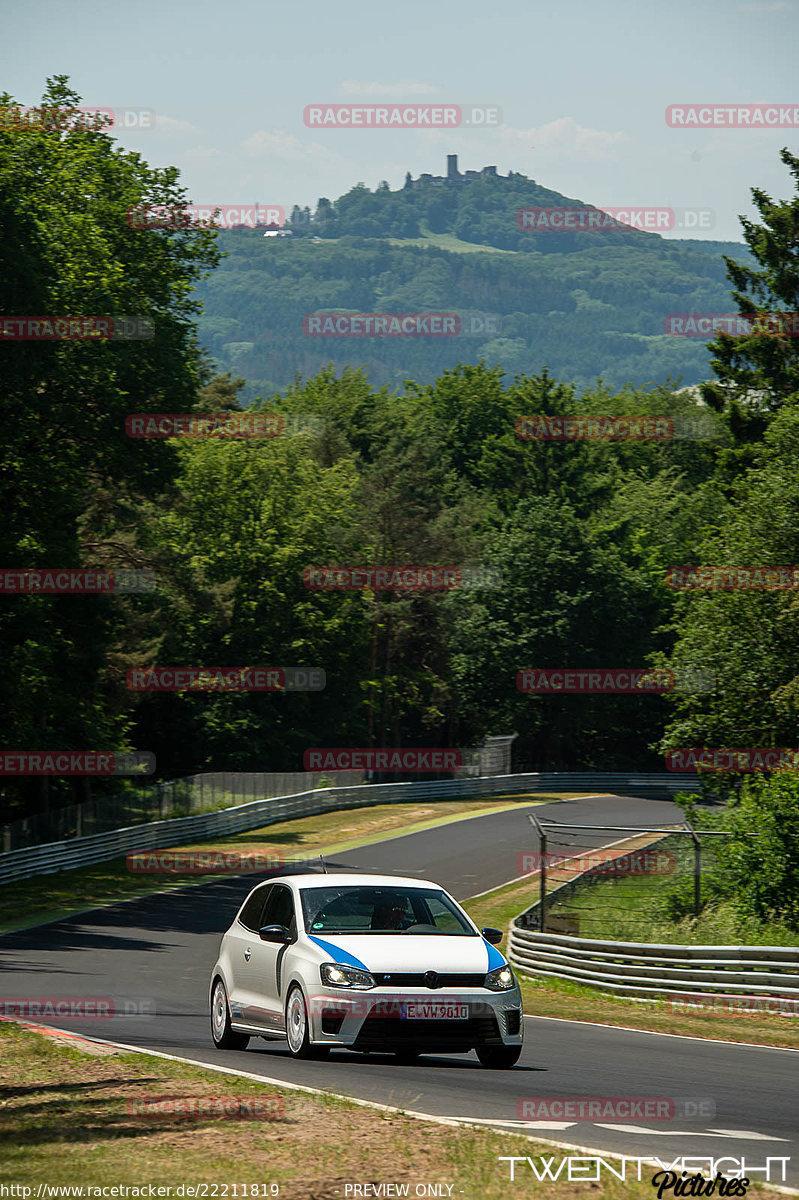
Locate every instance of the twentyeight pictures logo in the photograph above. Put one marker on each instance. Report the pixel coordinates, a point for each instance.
(401, 116)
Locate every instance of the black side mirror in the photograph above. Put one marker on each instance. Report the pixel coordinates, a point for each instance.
(274, 933)
(494, 936)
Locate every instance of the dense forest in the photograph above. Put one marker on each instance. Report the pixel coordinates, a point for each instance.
(588, 305)
(576, 537)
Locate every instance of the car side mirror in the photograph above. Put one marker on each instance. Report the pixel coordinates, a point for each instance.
(274, 933)
(494, 936)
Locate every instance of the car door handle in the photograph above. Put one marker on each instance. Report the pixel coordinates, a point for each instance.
(247, 954)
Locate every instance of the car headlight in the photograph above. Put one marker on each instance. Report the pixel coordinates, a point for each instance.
(338, 976)
(501, 979)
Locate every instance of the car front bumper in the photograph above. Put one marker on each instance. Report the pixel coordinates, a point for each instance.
(390, 1019)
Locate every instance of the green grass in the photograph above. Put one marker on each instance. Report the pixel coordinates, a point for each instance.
(70, 1117)
(448, 241)
(633, 909)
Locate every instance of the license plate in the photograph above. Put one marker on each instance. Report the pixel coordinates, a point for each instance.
(434, 1010)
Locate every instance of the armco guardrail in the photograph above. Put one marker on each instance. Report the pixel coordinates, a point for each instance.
(649, 969)
(655, 970)
(83, 852)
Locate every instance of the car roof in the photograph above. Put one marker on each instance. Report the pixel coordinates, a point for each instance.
(316, 880)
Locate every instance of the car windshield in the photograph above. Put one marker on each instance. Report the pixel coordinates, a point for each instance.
(400, 910)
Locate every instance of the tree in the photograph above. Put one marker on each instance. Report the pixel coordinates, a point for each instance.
(71, 478)
(757, 372)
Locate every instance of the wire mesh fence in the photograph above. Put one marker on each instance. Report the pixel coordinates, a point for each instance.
(139, 803)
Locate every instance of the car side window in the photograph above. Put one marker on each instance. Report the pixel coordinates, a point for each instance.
(443, 917)
(250, 916)
(279, 909)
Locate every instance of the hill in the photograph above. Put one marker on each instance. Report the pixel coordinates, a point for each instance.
(585, 303)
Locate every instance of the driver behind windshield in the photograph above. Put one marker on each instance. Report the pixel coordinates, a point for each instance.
(389, 917)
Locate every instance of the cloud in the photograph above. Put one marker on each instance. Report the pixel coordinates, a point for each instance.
(408, 87)
(564, 138)
(202, 152)
(765, 6)
(171, 125)
(288, 148)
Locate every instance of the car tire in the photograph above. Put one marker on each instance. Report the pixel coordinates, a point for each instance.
(499, 1058)
(224, 1037)
(298, 1029)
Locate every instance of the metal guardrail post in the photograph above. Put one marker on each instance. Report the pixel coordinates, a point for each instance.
(542, 842)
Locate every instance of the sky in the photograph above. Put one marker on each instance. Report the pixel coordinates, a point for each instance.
(582, 90)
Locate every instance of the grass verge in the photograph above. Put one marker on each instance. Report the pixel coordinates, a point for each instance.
(72, 1114)
(575, 1002)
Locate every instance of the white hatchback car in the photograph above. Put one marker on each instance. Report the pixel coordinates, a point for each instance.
(367, 963)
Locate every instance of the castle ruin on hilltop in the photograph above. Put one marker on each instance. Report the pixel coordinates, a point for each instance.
(453, 176)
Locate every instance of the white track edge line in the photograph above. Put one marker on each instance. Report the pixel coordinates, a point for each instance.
(686, 1037)
(454, 1122)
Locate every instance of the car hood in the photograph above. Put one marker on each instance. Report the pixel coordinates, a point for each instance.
(410, 952)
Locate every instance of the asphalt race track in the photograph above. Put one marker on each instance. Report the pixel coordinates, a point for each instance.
(154, 955)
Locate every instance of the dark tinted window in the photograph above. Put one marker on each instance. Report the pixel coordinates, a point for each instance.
(358, 909)
(250, 916)
(279, 909)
